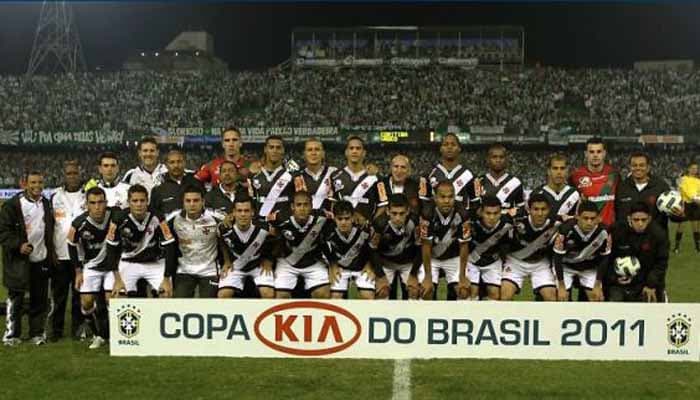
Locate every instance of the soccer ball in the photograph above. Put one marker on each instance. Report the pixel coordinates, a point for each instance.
(627, 266)
(669, 200)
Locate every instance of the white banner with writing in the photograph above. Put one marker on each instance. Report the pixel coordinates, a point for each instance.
(405, 329)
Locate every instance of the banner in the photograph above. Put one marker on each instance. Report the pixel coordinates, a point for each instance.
(398, 330)
(661, 139)
(9, 193)
(459, 62)
(61, 138)
(487, 130)
(410, 62)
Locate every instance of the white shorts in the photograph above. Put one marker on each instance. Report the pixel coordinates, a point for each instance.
(362, 281)
(97, 281)
(489, 274)
(235, 279)
(286, 275)
(586, 277)
(540, 273)
(131, 272)
(450, 266)
(404, 270)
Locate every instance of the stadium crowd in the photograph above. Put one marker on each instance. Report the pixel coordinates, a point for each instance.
(610, 101)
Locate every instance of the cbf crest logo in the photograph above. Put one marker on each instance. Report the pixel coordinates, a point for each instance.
(128, 322)
(678, 332)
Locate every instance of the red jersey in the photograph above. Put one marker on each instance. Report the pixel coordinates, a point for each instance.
(598, 187)
(209, 172)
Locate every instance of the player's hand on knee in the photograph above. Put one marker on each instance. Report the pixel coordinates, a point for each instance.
(649, 294)
(382, 288)
(562, 293)
(463, 289)
(166, 288)
(78, 279)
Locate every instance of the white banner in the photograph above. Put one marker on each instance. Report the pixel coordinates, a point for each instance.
(396, 330)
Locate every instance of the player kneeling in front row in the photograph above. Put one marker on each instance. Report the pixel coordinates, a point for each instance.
(247, 244)
(394, 249)
(582, 248)
(194, 261)
(490, 235)
(97, 274)
(140, 240)
(445, 243)
(348, 254)
(302, 249)
(642, 244)
(529, 249)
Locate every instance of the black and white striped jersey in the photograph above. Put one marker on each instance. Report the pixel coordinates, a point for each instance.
(273, 191)
(487, 245)
(507, 188)
(563, 202)
(398, 245)
(530, 243)
(87, 237)
(350, 252)
(359, 189)
(319, 186)
(302, 244)
(461, 178)
(447, 232)
(581, 251)
(141, 241)
(247, 247)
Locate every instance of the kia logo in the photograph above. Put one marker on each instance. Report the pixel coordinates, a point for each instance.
(307, 328)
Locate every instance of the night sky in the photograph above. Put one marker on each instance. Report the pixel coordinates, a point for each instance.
(254, 36)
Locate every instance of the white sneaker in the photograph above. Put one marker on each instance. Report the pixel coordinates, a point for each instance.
(97, 342)
(38, 340)
(11, 342)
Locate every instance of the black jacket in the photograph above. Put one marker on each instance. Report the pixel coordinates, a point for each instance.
(167, 197)
(12, 234)
(651, 249)
(627, 194)
(218, 201)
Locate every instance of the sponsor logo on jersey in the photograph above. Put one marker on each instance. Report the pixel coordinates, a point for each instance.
(307, 328)
(584, 181)
(605, 197)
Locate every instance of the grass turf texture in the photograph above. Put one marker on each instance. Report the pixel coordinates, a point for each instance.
(65, 369)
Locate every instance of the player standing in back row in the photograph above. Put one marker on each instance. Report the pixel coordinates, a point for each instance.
(597, 181)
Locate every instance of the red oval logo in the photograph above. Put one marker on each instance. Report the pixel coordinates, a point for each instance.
(312, 333)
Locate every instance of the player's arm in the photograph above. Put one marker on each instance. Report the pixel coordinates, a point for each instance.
(9, 239)
(169, 244)
(226, 258)
(425, 238)
(171, 256)
(602, 269)
(558, 252)
(463, 286)
(659, 266)
(74, 257)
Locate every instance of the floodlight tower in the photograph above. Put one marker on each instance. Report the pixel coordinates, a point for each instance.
(56, 42)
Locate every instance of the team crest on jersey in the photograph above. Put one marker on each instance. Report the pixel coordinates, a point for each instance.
(127, 233)
(129, 321)
(459, 182)
(338, 184)
(288, 235)
(433, 181)
(87, 235)
(584, 181)
(678, 330)
(506, 190)
(256, 183)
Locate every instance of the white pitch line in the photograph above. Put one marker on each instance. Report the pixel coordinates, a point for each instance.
(402, 380)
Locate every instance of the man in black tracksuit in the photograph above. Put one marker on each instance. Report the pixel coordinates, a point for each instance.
(641, 237)
(640, 186)
(26, 235)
